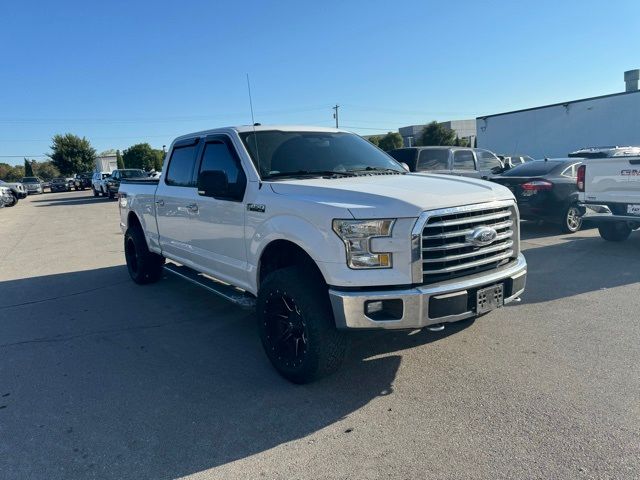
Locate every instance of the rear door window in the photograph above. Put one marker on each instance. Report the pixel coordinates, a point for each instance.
(181, 165)
(463, 160)
(433, 159)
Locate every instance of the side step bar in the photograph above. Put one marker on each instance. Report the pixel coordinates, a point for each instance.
(228, 292)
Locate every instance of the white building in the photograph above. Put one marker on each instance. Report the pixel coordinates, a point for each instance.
(555, 130)
(106, 163)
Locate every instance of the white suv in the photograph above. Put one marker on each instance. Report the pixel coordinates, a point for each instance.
(97, 183)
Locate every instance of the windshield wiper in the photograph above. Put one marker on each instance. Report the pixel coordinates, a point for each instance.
(377, 169)
(310, 173)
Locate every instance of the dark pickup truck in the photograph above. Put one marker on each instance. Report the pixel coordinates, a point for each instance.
(112, 183)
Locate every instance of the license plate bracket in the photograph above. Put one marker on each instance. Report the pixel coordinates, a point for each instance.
(489, 298)
(633, 209)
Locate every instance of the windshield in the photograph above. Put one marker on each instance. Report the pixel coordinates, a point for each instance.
(58, 180)
(132, 173)
(290, 153)
(30, 180)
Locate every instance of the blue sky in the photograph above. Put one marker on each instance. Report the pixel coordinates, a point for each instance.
(120, 73)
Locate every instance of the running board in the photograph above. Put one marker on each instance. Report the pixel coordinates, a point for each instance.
(228, 292)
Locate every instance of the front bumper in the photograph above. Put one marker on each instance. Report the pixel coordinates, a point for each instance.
(605, 213)
(410, 308)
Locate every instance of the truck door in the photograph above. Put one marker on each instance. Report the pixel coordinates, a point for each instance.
(217, 235)
(175, 202)
(464, 164)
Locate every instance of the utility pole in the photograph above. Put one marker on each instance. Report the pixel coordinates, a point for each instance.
(335, 115)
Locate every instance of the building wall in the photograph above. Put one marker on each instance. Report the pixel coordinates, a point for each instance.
(463, 129)
(556, 130)
(107, 163)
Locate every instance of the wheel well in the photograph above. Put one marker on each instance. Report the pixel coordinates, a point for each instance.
(280, 254)
(133, 221)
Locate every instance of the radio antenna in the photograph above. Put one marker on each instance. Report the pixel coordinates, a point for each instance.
(253, 122)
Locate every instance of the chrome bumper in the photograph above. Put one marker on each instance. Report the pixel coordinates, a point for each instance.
(603, 213)
(349, 306)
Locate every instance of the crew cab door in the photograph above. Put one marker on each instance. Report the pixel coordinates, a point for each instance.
(175, 202)
(464, 164)
(218, 225)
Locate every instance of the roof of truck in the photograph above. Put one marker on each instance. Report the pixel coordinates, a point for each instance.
(259, 128)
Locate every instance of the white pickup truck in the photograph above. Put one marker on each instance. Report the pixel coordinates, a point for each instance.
(609, 195)
(322, 232)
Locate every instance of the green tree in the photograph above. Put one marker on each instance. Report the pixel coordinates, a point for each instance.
(375, 139)
(119, 159)
(437, 134)
(143, 156)
(45, 170)
(28, 168)
(11, 173)
(390, 141)
(72, 154)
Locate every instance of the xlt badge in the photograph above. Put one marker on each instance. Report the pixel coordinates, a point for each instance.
(255, 207)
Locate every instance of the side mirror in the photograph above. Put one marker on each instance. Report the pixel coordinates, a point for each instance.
(213, 183)
(405, 166)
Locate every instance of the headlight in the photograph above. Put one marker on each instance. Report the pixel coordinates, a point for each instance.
(357, 235)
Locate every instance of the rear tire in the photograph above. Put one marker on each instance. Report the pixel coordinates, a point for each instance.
(571, 220)
(144, 266)
(614, 231)
(296, 326)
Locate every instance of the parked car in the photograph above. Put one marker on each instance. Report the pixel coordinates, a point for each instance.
(82, 181)
(511, 161)
(463, 161)
(546, 190)
(328, 232)
(60, 185)
(46, 184)
(97, 183)
(610, 195)
(6, 197)
(112, 183)
(18, 191)
(33, 184)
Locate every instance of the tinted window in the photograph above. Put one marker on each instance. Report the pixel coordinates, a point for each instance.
(132, 173)
(277, 153)
(30, 180)
(488, 160)
(180, 171)
(532, 169)
(217, 156)
(463, 160)
(433, 159)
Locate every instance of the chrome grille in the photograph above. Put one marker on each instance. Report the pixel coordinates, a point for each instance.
(447, 252)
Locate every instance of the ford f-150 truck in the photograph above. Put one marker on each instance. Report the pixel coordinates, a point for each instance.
(610, 195)
(321, 232)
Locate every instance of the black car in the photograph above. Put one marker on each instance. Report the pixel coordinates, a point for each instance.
(462, 161)
(546, 190)
(82, 181)
(60, 185)
(112, 183)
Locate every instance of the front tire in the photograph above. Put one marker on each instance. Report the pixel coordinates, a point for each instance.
(296, 326)
(95, 192)
(571, 220)
(14, 201)
(614, 231)
(144, 266)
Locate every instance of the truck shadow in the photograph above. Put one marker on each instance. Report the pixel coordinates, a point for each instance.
(121, 381)
(582, 264)
(57, 202)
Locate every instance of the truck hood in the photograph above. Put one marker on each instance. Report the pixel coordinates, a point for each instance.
(393, 196)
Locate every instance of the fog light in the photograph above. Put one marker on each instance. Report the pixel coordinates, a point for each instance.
(381, 310)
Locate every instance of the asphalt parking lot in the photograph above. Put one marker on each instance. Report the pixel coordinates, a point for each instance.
(102, 378)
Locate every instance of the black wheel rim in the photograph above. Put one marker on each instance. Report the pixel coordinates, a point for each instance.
(132, 255)
(285, 330)
(573, 219)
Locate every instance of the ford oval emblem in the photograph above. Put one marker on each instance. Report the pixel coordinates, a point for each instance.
(482, 236)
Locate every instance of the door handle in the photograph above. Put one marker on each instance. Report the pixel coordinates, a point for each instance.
(192, 207)
(160, 203)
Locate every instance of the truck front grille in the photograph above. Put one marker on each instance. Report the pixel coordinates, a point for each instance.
(448, 253)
